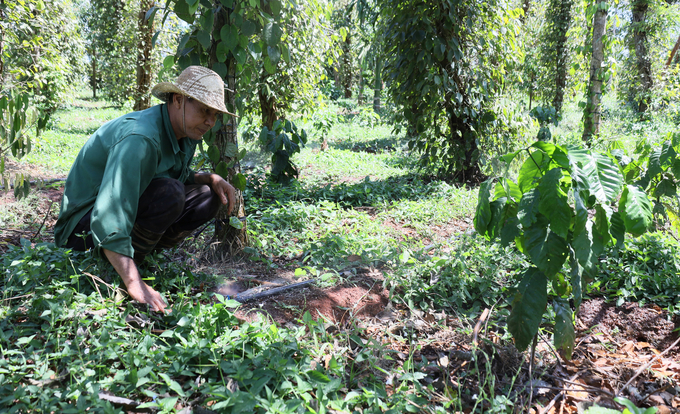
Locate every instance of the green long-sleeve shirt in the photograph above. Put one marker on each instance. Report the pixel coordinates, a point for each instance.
(113, 169)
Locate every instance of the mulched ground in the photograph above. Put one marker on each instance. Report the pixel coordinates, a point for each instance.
(619, 349)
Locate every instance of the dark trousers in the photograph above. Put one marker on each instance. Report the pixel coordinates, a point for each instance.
(168, 211)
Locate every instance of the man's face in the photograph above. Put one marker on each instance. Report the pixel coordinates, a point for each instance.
(198, 118)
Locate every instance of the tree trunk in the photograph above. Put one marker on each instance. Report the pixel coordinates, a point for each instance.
(93, 79)
(267, 107)
(2, 42)
(526, 4)
(347, 66)
(673, 52)
(644, 64)
(145, 33)
(377, 86)
(231, 240)
(591, 116)
(562, 24)
(360, 98)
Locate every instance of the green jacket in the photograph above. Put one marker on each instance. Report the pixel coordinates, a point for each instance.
(113, 169)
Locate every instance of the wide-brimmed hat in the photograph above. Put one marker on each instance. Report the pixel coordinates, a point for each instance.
(199, 83)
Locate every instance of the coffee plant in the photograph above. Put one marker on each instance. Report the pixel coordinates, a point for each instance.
(566, 205)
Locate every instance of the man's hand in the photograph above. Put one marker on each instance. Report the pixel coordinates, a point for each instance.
(137, 289)
(224, 190)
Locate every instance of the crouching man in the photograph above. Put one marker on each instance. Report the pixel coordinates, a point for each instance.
(131, 191)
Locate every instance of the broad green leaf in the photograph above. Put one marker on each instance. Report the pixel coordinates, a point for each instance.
(528, 306)
(318, 376)
(203, 39)
(248, 28)
(668, 155)
(556, 153)
(532, 169)
(510, 231)
(507, 188)
(168, 62)
(239, 181)
(501, 211)
(587, 246)
(507, 158)
(269, 66)
(229, 36)
(617, 228)
(581, 216)
(483, 211)
(231, 150)
(272, 34)
(553, 202)
(577, 291)
(528, 207)
(221, 51)
(235, 223)
(214, 154)
(636, 210)
(172, 384)
(222, 170)
(276, 7)
(565, 336)
(274, 54)
(603, 176)
(603, 214)
(547, 250)
(665, 187)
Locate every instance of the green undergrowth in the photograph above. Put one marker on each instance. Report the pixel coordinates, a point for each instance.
(645, 270)
(68, 337)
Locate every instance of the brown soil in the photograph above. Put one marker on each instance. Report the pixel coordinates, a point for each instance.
(614, 344)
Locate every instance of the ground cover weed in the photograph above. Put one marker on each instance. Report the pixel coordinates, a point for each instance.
(476, 274)
(66, 343)
(645, 270)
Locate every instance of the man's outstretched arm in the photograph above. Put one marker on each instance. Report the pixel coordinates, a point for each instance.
(136, 288)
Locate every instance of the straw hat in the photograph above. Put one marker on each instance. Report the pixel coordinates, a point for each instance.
(199, 83)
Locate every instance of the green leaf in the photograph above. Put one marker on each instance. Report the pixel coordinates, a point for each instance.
(528, 306)
(318, 376)
(547, 250)
(239, 181)
(276, 7)
(636, 210)
(248, 28)
(501, 211)
(229, 35)
(222, 170)
(214, 154)
(172, 384)
(564, 336)
(221, 51)
(235, 223)
(587, 246)
(231, 150)
(169, 62)
(556, 153)
(203, 39)
(269, 66)
(274, 54)
(272, 33)
(604, 178)
(576, 288)
(483, 211)
(531, 171)
(510, 231)
(507, 188)
(553, 202)
(528, 207)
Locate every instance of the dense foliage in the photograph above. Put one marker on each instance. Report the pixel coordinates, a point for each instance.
(446, 62)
